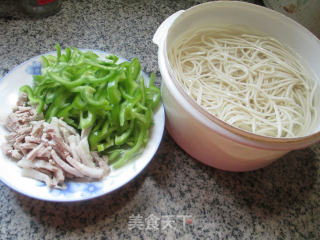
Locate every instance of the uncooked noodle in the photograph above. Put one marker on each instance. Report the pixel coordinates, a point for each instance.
(250, 81)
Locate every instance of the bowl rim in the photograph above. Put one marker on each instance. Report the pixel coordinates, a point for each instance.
(311, 138)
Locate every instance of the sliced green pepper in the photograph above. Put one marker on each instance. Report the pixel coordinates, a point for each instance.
(88, 121)
(87, 92)
(128, 153)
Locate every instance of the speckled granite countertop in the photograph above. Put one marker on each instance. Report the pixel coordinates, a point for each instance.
(281, 201)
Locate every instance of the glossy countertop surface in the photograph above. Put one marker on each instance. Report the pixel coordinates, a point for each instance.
(175, 196)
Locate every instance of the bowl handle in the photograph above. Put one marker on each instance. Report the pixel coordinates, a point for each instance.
(162, 30)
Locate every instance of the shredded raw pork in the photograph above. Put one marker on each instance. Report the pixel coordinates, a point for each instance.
(50, 152)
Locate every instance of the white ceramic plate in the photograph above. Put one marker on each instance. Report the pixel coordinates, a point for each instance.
(10, 173)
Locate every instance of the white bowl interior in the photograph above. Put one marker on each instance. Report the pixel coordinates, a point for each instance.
(270, 22)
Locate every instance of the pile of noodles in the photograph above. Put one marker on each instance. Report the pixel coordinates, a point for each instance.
(250, 81)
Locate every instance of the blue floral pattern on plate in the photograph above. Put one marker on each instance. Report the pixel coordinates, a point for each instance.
(34, 68)
(86, 189)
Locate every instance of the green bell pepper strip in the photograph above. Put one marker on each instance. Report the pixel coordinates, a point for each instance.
(114, 59)
(86, 93)
(44, 62)
(113, 92)
(124, 109)
(125, 95)
(114, 118)
(67, 75)
(119, 140)
(103, 146)
(97, 104)
(28, 90)
(78, 103)
(132, 74)
(113, 155)
(68, 54)
(39, 80)
(40, 106)
(57, 46)
(139, 116)
(109, 77)
(152, 93)
(59, 100)
(33, 99)
(128, 153)
(143, 91)
(82, 80)
(101, 90)
(153, 98)
(65, 115)
(100, 66)
(86, 122)
(148, 115)
(97, 134)
(141, 107)
(51, 60)
(45, 89)
(146, 136)
(49, 97)
(67, 83)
